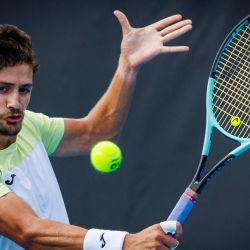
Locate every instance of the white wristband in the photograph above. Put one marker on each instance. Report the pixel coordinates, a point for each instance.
(97, 239)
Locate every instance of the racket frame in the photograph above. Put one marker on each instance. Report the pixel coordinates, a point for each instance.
(198, 181)
(191, 195)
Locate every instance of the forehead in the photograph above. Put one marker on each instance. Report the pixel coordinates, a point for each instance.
(17, 74)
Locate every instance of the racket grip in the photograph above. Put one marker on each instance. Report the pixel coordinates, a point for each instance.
(184, 206)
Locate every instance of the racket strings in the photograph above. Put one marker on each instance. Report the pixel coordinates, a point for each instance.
(238, 108)
(242, 65)
(235, 129)
(231, 94)
(226, 73)
(240, 90)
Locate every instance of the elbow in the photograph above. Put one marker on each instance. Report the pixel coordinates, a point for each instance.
(97, 131)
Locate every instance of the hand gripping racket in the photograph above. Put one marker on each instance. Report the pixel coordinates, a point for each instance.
(228, 110)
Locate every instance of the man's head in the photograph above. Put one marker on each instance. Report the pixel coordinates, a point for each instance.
(16, 48)
(18, 65)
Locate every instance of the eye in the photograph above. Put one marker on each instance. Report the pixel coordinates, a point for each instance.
(25, 90)
(4, 89)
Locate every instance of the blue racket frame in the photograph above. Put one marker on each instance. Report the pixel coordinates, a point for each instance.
(187, 201)
(212, 123)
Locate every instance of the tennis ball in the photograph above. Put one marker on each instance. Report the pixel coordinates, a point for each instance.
(106, 157)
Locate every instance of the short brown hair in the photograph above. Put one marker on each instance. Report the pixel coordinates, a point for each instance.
(16, 48)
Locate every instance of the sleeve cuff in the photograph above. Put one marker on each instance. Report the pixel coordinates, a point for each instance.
(3, 190)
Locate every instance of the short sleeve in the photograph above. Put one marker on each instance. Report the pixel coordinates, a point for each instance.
(3, 189)
(51, 130)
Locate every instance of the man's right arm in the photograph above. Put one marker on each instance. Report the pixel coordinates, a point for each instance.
(20, 223)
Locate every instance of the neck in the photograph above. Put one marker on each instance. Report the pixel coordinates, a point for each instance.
(6, 141)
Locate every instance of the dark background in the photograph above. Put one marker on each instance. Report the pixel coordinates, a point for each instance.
(78, 44)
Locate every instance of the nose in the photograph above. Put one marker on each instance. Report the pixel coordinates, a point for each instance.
(14, 101)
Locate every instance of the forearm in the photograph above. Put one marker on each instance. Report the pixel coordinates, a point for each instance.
(20, 223)
(106, 118)
(110, 113)
(51, 235)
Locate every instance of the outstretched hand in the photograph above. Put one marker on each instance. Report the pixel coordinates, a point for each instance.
(140, 45)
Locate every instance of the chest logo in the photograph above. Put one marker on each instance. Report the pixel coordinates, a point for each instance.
(10, 182)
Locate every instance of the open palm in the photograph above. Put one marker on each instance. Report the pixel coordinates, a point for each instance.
(140, 45)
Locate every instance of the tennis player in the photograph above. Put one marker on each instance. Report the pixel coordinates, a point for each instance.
(32, 211)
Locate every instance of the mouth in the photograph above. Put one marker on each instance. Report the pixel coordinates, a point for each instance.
(13, 119)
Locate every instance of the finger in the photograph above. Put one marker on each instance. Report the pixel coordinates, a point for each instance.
(179, 230)
(175, 26)
(164, 248)
(177, 33)
(123, 20)
(174, 49)
(166, 21)
(170, 242)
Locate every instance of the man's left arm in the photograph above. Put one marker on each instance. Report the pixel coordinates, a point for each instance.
(107, 117)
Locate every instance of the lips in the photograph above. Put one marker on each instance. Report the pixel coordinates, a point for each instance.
(14, 119)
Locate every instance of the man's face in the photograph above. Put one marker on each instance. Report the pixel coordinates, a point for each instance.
(15, 92)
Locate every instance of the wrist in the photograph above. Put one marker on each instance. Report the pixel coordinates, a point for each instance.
(96, 239)
(127, 69)
(128, 241)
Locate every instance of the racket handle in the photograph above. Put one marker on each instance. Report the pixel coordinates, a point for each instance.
(184, 206)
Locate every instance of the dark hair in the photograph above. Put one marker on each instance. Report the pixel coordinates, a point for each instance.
(16, 48)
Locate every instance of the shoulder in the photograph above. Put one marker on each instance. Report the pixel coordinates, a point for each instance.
(30, 133)
(32, 122)
(32, 118)
(38, 126)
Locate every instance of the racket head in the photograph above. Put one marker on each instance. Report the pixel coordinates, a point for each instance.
(228, 90)
(219, 78)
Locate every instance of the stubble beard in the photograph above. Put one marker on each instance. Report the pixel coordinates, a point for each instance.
(10, 129)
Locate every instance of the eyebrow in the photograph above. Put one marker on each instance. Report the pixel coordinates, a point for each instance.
(11, 84)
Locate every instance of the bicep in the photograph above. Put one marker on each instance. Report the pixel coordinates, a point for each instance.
(15, 217)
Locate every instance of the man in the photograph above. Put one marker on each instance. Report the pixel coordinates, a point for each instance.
(32, 212)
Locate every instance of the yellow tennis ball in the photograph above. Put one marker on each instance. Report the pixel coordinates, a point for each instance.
(106, 157)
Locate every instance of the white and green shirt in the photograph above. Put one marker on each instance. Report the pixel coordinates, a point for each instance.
(25, 169)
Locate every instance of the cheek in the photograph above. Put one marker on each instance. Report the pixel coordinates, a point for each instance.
(2, 104)
(25, 101)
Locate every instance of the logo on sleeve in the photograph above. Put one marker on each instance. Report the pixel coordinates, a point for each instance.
(10, 182)
(103, 241)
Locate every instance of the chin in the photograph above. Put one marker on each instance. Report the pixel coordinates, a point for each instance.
(10, 131)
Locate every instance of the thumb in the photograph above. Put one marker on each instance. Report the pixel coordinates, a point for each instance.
(169, 227)
(123, 20)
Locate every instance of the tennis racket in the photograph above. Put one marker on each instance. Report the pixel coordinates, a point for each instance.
(227, 108)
